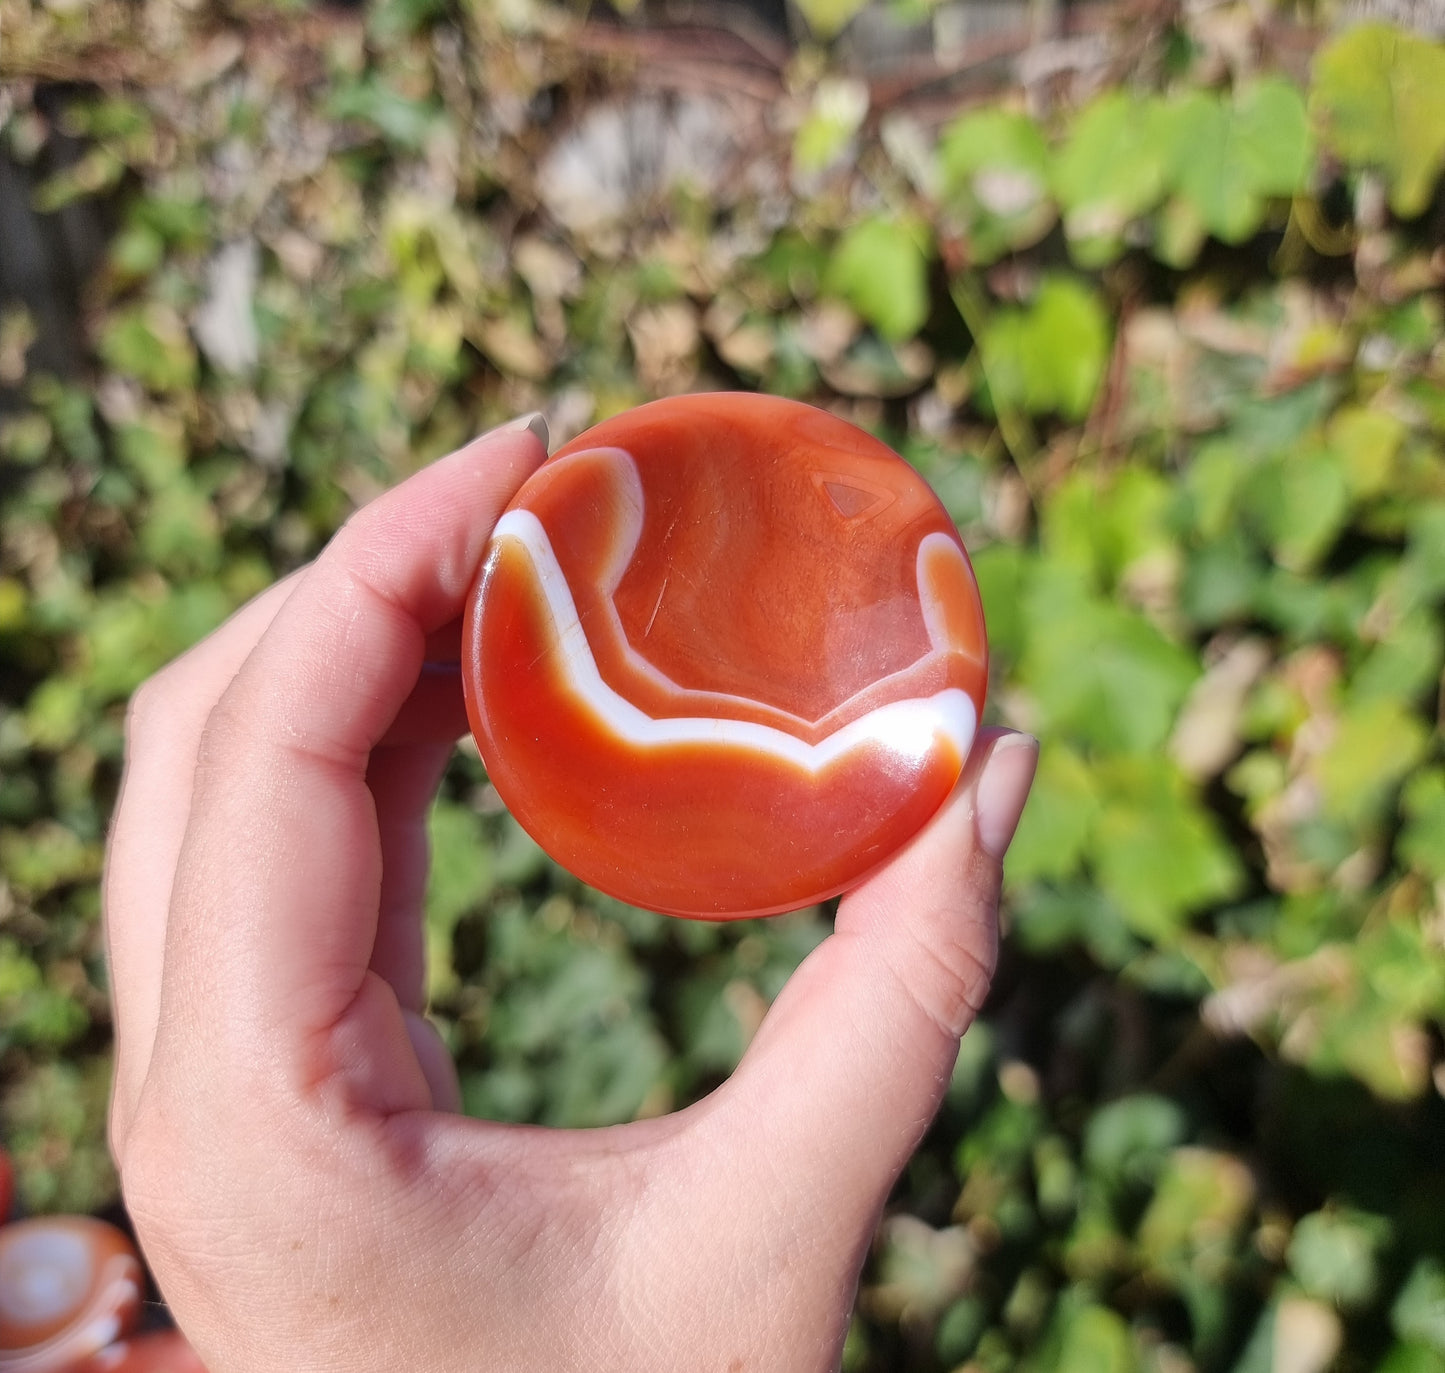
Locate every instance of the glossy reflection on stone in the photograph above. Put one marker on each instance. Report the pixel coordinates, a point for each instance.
(725, 656)
(69, 1286)
(162, 1351)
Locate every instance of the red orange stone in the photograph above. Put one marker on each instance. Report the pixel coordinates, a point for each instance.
(69, 1286)
(725, 655)
(163, 1351)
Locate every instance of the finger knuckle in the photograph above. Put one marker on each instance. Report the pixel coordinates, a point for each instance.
(165, 1195)
(950, 968)
(151, 705)
(117, 1129)
(147, 1176)
(218, 738)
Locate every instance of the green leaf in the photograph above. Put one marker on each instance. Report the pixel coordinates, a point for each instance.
(920, 1270)
(1050, 355)
(1257, 1355)
(1422, 840)
(1405, 664)
(1213, 481)
(588, 986)
(46, 1016)
(55, 713)
(46, 856)
(975, 1069)
(129, 635)
(1368, 442)
(1103, 524)
(1418, 1312)
(1230, 156)
(713, 1037)
(1334, 1255)
(1156, 851)
(153, 448)
(150, 343)
(1095, 1249)
(461, 877)
(1369, 1039)
(136, 252)
(1197, 1214)
(55, 1131)
(1079, 914)
(834, 117)
(96, 170)
(999, 568)
(1422, 570)
(994, 167)
(1028, 1305)
(1111, 169)
(181, 532)
(13, 604)
(25, 438)
(179, 214)
(1298, 500)
(405, 122)
(1090, 1339)
(1127, 1142)
(1057, 820)
(1206, 174)
(1179, 232)
(1412, 1358)
(392, 21)
(604, 1078)
(19, 974)
(1379, 100)
(1376, 743)
(959, 1330)
(1056, 1178)
(1221, 581)
(509, 1091)
(881, 269)
(1270, 137)
(1002, 1140)
(1099, 673)
(828, 18)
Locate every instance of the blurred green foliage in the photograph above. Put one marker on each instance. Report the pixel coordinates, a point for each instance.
(1171, 353)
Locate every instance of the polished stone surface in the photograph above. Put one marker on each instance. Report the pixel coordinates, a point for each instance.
(69, 1286)
(725, 656)
(161, 1351)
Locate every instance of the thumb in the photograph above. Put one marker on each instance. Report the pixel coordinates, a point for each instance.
(850, 1065)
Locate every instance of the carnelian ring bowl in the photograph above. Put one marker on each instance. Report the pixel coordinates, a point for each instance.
(725, 655)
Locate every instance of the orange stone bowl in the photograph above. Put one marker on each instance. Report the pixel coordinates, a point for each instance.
(725, 655)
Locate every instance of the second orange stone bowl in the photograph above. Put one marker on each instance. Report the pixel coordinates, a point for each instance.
(725, 655)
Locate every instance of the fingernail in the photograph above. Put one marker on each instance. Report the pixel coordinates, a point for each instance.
(1003, 787)
(536, 422)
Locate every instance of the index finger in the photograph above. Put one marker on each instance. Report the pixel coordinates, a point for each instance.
(276, 896)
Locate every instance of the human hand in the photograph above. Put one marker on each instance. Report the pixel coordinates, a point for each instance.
(284, 1116)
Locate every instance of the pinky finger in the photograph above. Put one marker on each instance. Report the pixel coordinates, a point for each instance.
(164, 725)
